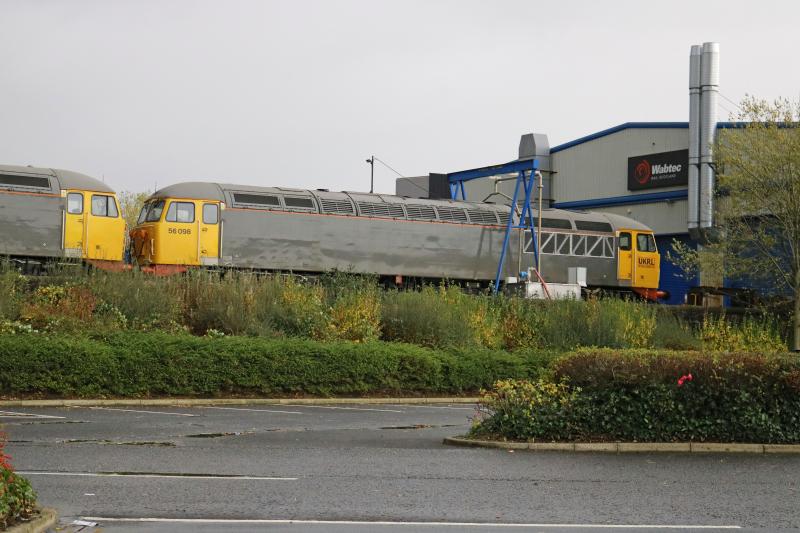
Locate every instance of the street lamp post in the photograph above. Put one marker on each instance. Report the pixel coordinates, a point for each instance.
(371, 162)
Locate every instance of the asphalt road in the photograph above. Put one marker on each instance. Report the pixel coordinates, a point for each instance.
(368, 468)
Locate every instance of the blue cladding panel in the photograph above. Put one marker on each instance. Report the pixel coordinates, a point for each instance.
(671, 279)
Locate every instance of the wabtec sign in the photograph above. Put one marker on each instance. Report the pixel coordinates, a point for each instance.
(652, 171)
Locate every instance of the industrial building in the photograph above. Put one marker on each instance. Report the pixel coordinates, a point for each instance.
(658, 173)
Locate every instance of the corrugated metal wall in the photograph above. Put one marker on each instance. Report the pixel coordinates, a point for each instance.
(664, 217)
(671, 279)
(599, 168)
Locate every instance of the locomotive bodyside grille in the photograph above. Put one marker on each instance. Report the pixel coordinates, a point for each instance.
(374, 209)
(479, 216)
(421, 212)
(452, 214)
(339, 207)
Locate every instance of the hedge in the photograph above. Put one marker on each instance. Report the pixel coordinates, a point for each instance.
(650, 396)
(140, 364)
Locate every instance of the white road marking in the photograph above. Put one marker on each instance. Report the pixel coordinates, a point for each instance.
(145, 412)
(256, 410)
(437, 407)
(14, 414)
(346, 408)
(166, 476)
(398, 523)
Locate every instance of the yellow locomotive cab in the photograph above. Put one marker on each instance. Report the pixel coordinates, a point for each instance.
(50, 214)
(93, 227)
(177, 231)
(639, 261)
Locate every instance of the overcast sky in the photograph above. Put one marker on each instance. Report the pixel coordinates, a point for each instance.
(299, 93)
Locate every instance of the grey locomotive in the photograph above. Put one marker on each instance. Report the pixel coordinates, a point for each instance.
(197, 224)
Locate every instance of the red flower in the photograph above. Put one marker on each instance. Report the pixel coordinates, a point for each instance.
(683, 379)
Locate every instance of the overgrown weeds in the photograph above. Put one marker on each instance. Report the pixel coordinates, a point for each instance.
(342, 306)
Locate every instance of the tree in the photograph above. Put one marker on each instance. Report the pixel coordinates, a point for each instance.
(758, 203)
(131, 204)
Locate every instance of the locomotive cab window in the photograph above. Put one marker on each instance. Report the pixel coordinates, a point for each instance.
(74, 203)
(210, 214)
(645, 242)
(625, 241)
(180, 212)
(155, 210)
(104, 206)
(143, 213)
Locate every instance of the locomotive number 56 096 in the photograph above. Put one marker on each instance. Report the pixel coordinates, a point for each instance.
(179, 231)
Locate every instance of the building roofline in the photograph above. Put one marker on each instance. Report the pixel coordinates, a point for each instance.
(636, 125)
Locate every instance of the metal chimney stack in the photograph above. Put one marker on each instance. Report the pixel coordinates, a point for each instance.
(709, 94)
(695, 59)
(703, 96)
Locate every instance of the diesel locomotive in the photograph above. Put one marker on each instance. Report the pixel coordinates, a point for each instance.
(196, 224)
(49, 214)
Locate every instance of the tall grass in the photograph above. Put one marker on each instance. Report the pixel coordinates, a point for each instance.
(341, 306)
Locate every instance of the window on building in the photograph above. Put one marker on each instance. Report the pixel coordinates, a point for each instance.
(74, 203)
(210, 214)
(104, 206)
(180, 212)
(625, 241)
(645, 242)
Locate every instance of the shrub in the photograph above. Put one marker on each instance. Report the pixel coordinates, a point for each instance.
(59, 307)
(221, 303)
(528, 410)
(641, 395)
(356, 316)
(17, 498)
(673, 333)
(299, 309)
(521, 323)
(422, 318)
(441, 316)
(748, 334)
(13, 287)
(146, 301)
(133, 363)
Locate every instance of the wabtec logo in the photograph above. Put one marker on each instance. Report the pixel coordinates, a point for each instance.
(658, 170)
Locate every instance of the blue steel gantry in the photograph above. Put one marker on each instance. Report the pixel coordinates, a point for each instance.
(526, 175)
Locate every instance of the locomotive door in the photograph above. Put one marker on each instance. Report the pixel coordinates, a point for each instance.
(182, 228)
(625, 265)
(646, 267)
(104, 228)
(208, 225)
(74, 223)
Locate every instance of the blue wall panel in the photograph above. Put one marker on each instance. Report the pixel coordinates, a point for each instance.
(671, 279)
